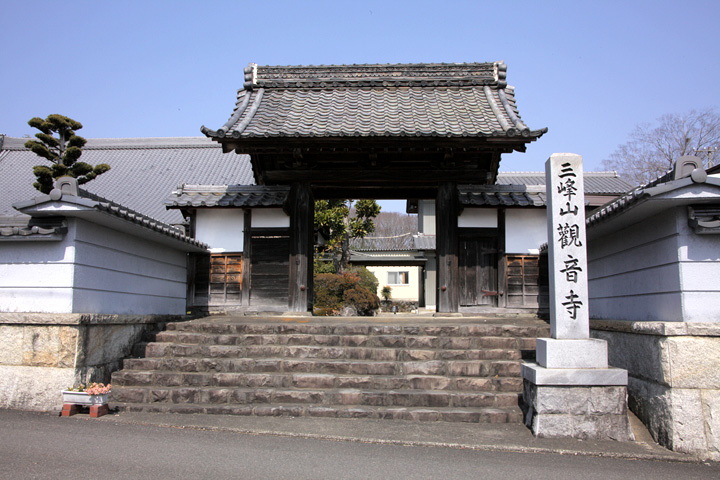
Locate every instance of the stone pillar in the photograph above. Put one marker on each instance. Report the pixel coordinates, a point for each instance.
(571, 391)
(446, 231)
(300, 206)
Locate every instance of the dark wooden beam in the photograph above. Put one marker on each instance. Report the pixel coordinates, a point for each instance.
(247, 257)
(410, 176)
(446, 224)
(300, 206)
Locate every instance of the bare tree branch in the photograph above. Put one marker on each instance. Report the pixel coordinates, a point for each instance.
(654, 148)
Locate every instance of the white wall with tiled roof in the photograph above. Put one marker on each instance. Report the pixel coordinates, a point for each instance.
(93, 269)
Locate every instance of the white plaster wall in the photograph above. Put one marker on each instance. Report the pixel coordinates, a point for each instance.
(407, 292)
(426, 217)
(699, 257)
(37, 276)
(116, 273)
(221, 228)
(634, 273)
(525, 230)
(430, 281)
(478, 218)
(270, 218)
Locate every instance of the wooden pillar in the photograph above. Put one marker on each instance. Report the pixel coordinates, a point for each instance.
(446, 230)
(301, 208)
(501, 259)
(247, 258)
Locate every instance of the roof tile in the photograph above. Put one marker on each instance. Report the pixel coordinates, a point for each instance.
(144, 171)
(444, 100)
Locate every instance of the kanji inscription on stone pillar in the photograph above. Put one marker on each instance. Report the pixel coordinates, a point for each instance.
(567, 255)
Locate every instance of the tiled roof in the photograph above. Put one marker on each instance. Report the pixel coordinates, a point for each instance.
(80, 205)
(432, 100)
(144, 171)
(596, 183)
(391, 244)
(424, 242)
(27, 232)
(657, 187)
(502, 195)
(227, 196)
(383, 244)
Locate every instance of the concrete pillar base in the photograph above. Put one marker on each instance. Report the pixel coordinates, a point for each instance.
(586, 412)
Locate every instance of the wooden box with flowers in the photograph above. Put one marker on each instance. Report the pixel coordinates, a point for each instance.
(94, 395)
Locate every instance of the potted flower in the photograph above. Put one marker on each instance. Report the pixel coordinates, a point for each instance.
(92, 394)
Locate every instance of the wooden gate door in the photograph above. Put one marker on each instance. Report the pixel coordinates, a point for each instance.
(478, 270)
(269, 274)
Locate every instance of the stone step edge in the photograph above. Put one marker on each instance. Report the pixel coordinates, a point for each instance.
(313, 360)
(404, 356)
(304, 378)
(421, 414)
(455, 368)
(376, 337)
(337, 397)
(473, 330)
(271, 390)
(350, 348)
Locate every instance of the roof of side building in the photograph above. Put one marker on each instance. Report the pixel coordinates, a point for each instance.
(144, 171)
(596, 183)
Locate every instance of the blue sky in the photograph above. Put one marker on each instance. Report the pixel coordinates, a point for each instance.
(589, 71)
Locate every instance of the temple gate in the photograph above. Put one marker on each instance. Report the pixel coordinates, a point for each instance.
(378, 131)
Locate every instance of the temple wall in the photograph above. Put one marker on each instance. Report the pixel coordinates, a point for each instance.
(42, 354)
(117, 273)
(673, 379)
(655, 270)
(37, 276)
(93, 269)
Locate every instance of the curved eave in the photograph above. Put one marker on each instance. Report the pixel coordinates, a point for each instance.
(112, 216)
(300, 114)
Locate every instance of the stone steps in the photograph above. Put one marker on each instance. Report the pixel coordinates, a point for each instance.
(357, 397)
(163, 379)
(467, 368)
(468, 415)
(463, 371)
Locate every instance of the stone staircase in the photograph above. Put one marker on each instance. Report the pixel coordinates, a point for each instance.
(463, 369)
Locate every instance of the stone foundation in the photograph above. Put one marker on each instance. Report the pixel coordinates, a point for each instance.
(42, 354)
(582, 412)
(674, 379)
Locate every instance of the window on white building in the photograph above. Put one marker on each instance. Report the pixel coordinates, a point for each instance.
(398, 278)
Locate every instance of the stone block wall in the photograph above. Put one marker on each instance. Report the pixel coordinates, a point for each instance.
(43, 354)
(585, 413)
(674, 379)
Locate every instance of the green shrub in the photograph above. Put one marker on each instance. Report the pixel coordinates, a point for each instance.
(362, 300)
(367, 278)
(321, 266)
(333, 292)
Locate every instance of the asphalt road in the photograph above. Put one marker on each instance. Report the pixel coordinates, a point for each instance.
(42, 446)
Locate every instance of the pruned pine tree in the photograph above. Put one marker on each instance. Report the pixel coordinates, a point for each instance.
(340, 221)
(58, 144)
